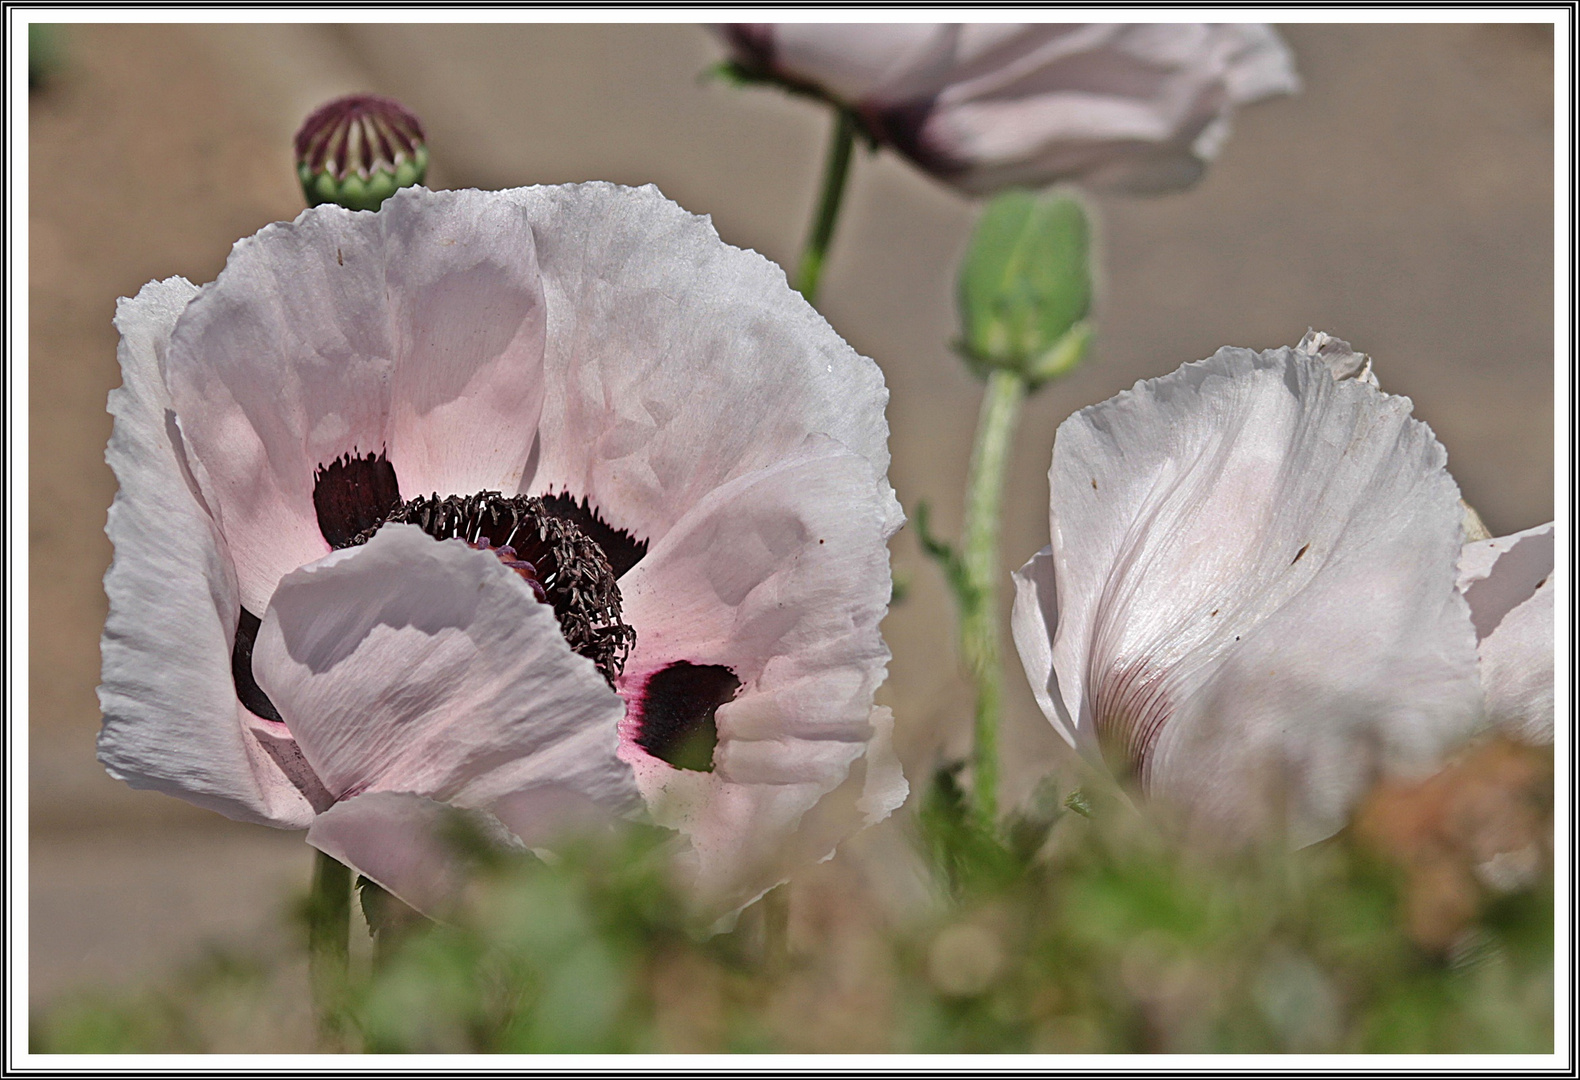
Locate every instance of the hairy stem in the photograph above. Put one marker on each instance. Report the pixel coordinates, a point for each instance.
(835, 172)
(979, 629)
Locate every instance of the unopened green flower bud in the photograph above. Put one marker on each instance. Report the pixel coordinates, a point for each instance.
(1025, 287)
(359, 150)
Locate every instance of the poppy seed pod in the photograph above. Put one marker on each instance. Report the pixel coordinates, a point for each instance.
(358, 150)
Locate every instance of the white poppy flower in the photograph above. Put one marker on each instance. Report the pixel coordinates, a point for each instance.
(687, 465)
(1139, 107)
(1508, 582)
(1249, 600)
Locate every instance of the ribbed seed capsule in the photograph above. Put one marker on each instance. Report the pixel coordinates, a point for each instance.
(358, 150)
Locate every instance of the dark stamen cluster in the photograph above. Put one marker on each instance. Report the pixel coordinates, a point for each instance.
(574, 572)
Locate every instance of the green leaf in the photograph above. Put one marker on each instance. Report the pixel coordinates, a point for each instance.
(1027, 830)
(1065, 356)
(944, 553)
(899, 589)
(1079, 803)
(734, 73)
(1025, 285)
(43, 53)
(969, 857)
(743, 75)
(578, 1007)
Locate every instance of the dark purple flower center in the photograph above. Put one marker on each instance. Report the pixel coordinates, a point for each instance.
(352, 494)
(570, 556)
(572, 570)
(675, 713)
(562, 546)
(621, 548)
(247, 688)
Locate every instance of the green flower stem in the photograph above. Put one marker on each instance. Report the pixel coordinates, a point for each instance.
(979, 629)
(835, 173)
(329, 938)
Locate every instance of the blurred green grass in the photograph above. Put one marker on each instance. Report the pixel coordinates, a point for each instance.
(1081, 930)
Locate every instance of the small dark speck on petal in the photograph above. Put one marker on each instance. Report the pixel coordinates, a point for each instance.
(1214, 611)
(339, 258)
(1094, 483)
(1299, 553)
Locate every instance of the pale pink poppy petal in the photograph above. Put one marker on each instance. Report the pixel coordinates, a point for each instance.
(884, 788)
(1257, 63)
(646, 305)
(780, 579)
(863, 62)
(1517, 661)
(416, 331)
(983, 106)
(874, 788)
(425, 666)
(1342, 361)
(1499, 574)
(1508, 584)
(1255, 572)
(549, 812)
(172, 721)
(466, 306)
(1137, 107)
(1033, 620)
(407, 844)
(795, 825)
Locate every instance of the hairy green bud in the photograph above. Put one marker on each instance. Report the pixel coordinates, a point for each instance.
(1025, 287)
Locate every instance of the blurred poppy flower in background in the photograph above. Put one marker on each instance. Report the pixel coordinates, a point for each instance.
(1136, 107)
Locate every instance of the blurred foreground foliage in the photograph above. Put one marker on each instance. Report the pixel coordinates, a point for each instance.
(1427, 927)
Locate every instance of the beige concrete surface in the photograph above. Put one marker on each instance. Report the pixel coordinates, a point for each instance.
(1403, 201)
